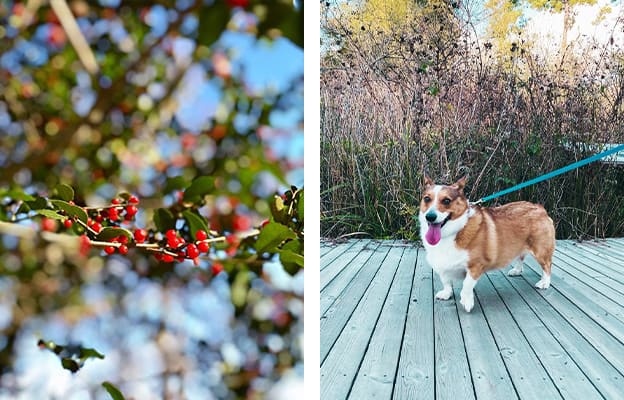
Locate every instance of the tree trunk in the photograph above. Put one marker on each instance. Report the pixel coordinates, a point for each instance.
(567, 22)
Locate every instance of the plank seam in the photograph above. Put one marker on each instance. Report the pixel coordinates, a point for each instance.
(357, 304)
(409, 302)
(539, 360)
(376, 322)
(554, 336)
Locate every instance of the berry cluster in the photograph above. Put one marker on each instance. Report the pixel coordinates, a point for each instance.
(168, 248)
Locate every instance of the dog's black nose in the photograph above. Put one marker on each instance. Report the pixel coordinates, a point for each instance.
(431, 216)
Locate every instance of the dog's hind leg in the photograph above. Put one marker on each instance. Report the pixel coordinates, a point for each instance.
(517, 266)
(544, 258)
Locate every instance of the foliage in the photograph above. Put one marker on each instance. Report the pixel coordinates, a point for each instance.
(168, 116)
(395, 105)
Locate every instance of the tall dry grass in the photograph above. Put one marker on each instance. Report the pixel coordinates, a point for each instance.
(396, 104)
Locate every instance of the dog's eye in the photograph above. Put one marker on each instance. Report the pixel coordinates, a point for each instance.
(446, 201)
(427, 199)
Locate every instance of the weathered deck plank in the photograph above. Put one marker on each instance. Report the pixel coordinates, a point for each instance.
(383, 335)
(339, 369)
(415, 378)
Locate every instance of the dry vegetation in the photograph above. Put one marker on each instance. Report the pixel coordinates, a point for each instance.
(428, 95)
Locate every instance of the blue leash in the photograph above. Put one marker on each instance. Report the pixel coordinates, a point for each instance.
(552, 174)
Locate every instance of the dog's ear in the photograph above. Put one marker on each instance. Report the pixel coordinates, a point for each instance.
(428, 181)
(461, 183)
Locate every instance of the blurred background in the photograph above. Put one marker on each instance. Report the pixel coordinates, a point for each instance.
(109, 96)
(500, 90)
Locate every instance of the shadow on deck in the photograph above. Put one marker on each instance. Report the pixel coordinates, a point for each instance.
(383, 336)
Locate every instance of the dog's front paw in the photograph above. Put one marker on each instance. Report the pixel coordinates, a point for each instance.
(444, 294)
(515, 272)
(467, 300)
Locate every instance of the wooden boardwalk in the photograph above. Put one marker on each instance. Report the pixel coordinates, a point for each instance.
(383, 336)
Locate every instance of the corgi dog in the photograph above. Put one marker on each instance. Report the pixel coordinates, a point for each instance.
(462, 241)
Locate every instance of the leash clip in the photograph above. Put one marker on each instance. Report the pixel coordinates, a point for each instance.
(476, 203)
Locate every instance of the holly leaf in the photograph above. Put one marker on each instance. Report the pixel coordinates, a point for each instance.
(71, 210)
(195, 222)
(37, 203)
(16, 194)
(300, 210)
(113, 391)
(292, 262)
(63, 192)
(86, 353)
(164, 220)
(271, 236)
(109, 233)
(70, 364)
(51, 214)
(199, 187)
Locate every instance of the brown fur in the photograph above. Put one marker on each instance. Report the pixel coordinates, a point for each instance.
(494, 237)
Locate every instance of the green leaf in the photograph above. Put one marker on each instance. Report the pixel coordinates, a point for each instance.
(70, 364)
(277, 210)
(199, 187)
(271, 236)
(71, 210)
(282, 15)
(175, 183)
(109, 233)
(164, 220)
(195, 222)
(37, 203)
(86, 353)
(51, 214)
(300, 210)
(17, 194)
(63, 192)
(212, 22)
(295, 246)
(287, 256)
(113, 391)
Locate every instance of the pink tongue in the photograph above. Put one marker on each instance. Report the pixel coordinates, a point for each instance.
(433, 234)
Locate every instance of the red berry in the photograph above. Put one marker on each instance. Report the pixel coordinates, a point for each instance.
(140, 235)
(237, 3)
(172, 242)
(167, 258)
(203, 247)
(131, 211)
(171, 233)
(99, 218)
(113, 214)
(89, 222)
(109, 250)
(68, 223)
(133, 200)
(85, 245)
(231, 251)
(123, 249)
(192, 251)
(116, 201)
(217, 268)
(122, 239)
(48, 224)
(97, 227)
(231, 239)
(241, 223)
(201, 235)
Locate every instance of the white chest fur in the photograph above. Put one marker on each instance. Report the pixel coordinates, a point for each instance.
(446, 259)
